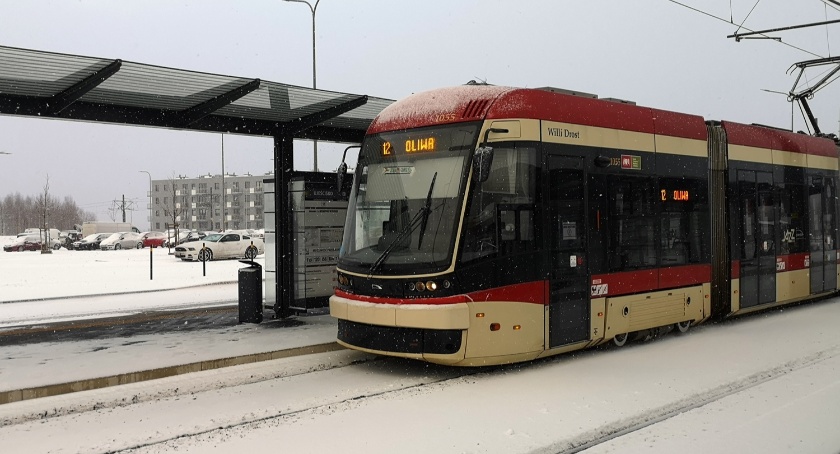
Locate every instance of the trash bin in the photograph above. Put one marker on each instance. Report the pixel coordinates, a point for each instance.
(250, 293)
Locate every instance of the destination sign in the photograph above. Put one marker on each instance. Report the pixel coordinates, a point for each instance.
(410, 146)
(676, 195)
(421, 143)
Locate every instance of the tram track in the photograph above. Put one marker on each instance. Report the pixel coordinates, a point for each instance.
(455, 376)
(635, 423)
(449, 375)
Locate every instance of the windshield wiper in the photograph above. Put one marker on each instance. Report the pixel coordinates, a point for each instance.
(423, 213)
(427, 209)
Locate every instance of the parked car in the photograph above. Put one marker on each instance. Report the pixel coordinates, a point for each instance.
(121, 240)
(24, 243)
(55, 243)
(184, 236)
(221, 245)
(90, 242)
(153, 239)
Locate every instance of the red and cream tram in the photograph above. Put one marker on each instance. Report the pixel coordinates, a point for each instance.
(490, 225)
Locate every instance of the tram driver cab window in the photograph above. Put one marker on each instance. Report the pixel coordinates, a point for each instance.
(500, 215)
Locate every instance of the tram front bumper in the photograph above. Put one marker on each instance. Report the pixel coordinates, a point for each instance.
(427, 316)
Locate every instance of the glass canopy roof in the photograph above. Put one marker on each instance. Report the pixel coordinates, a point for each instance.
(72, 87)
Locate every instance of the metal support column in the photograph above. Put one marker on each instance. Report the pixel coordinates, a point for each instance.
(283, 167)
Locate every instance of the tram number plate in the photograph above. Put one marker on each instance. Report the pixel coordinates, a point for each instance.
(600, 289)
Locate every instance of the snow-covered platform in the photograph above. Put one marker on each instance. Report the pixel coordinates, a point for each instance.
(40, 369)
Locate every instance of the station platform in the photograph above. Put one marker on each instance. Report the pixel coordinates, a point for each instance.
(52, 359)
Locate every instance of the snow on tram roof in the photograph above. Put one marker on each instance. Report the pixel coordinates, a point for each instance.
(477, 102)
(442, 105)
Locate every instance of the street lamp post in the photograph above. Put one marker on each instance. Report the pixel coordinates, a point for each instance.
(224, 191)
(312, 8)
(150, 197)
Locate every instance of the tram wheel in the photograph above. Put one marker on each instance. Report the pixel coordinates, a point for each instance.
(620, 339)
(682, 327)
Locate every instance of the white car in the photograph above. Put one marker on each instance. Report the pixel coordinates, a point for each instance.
(122, 240)
(221, 245)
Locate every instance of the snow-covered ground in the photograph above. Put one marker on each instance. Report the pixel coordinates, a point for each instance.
(766, 383)
(37, 287)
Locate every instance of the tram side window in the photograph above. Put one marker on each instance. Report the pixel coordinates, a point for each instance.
(683, 221)
(829, 217)
(500, 216)
(815, 207)
(821, 204)
(632, 220)
(792, 219)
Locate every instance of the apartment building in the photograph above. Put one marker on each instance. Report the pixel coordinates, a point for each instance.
(209, 202)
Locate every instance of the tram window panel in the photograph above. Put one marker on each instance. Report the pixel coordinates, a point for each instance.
(792, 220)
(683, 221)
(632, 224)
(815, 210)
(829, 208)
(766, 221)
(747, 216)
(674, 239)
(501, 209)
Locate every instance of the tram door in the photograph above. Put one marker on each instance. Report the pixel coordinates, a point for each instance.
(757, 221)
(568, 312)
(821, 228)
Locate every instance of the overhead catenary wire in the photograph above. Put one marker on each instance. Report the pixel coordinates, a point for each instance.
(748, 14)
(832, 3)
(745, 28)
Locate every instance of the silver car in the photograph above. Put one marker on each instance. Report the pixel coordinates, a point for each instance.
(122, 240)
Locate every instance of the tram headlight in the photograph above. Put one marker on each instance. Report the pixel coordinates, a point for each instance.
(431, 286)
(420, 286)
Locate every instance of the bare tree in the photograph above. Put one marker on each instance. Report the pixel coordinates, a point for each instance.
(172, 205)
(44, 205)
(17, 213)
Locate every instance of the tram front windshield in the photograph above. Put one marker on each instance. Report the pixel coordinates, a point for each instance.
(406, 200)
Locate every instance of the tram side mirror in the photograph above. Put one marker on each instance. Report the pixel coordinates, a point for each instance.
(482, 160)
(340, 175)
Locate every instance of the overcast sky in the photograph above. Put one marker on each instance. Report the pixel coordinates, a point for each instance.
(655, 52)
